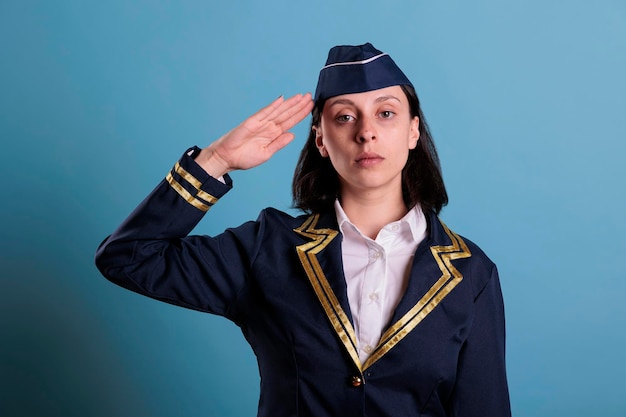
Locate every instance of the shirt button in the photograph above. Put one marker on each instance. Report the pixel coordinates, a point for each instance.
(367, 349)
(373, 296)
(395, 228)
(356, 381)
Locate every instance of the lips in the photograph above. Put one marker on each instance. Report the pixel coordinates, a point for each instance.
(368, 159)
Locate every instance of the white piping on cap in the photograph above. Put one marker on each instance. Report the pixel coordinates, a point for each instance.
(365, 61)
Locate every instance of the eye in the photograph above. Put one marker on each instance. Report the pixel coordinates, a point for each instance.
(344, 118)
(386, 114)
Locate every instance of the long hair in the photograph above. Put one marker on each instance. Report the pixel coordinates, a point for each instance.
(315, 183)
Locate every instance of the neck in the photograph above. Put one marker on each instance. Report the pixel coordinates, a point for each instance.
(371, 213)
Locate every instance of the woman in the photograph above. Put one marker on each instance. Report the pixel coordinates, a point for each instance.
(365, 305)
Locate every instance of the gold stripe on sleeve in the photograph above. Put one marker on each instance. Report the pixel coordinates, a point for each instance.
(202, 199)
(206, 197)
(187, 176)
(186, 195)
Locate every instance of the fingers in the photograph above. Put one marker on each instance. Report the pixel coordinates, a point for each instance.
(287, 108)
(286, 103)
(276, 107)
(266, 111)
(296, 113)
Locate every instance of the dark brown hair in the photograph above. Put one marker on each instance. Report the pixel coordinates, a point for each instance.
(315, 183)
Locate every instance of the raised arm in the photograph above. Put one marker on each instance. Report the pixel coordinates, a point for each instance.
(151, 252)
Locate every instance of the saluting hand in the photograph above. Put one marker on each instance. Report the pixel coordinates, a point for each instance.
(256, 139)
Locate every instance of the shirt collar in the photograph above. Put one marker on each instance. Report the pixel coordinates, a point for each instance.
(342, 217)
(414, 218)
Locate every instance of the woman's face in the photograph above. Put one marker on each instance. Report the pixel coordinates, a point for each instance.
(367, 137)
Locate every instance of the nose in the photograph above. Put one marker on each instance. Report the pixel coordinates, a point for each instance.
(366, 131)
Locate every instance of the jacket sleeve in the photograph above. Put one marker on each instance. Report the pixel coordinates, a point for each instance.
(151, 254)
(481, 387)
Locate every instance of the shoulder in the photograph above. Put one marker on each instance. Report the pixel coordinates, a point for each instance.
(274, 222)
(293, 229)
(274, 228)
(463, 253)
(477, 252)
(278, 217)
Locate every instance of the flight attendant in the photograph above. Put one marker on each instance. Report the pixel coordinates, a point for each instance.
(366, 304)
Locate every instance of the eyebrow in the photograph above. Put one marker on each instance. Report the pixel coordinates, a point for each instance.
(350, 102)
(385, 98)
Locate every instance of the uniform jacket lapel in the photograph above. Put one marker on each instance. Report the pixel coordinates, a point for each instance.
(321, 259)
(432, 278)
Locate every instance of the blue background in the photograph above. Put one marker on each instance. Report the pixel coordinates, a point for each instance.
(526, 102)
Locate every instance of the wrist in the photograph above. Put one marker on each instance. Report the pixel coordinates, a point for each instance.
(212, 163)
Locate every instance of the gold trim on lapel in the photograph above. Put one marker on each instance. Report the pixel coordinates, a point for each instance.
(450, 278)
(308, 257)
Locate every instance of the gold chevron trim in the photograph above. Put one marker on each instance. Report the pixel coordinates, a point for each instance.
(202, 201)
(336, 315)
(450, 278)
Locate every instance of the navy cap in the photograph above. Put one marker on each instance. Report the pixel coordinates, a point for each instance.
(356, 69)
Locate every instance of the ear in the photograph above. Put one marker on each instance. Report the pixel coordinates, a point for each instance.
(414, 132)
(319, 142)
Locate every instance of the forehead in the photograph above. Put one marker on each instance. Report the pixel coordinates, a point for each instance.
(387, 94)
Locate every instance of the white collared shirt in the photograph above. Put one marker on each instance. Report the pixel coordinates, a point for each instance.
(377, 272)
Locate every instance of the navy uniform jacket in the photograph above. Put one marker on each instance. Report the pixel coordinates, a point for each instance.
(281, 280)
